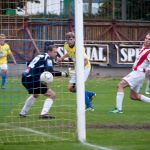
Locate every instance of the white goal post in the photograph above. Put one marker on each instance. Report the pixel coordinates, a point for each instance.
(81, 129)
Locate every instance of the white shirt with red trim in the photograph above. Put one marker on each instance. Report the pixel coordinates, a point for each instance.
(143, 60)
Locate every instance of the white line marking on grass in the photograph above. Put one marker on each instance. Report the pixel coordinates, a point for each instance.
(97, 147)
(33, 131)
(40, 133)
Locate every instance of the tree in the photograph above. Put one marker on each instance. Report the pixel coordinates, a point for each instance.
(136, 9)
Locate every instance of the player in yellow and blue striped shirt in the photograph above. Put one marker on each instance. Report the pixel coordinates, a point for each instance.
(69, 46)
(4, 53)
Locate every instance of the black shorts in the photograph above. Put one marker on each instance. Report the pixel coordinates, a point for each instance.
(33, 86)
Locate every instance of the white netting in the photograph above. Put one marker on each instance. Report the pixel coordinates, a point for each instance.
(21, 32)
(15, 129)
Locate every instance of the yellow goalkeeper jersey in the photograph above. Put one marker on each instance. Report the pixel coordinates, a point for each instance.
(4, 52)
(71, 53)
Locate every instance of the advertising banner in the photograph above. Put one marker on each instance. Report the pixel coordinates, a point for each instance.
(109, 54)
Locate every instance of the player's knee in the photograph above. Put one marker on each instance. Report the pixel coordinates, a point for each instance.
(72, 89)
(134, 97)
(120, 85)
(35, 95)
(4, 72)
(51, 94)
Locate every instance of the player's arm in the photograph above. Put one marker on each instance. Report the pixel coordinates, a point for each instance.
(11, 54)
(50, 67)
(147, 73)
(60, 59)
(31, 64)
(13, 58)
(59, 73)
(85, 61)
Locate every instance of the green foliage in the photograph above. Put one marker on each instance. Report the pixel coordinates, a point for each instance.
(136, 9)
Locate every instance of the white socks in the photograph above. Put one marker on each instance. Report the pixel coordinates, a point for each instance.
(47, 105)
(145, 99)
(29, 102)
(119, 100)
(147, 85)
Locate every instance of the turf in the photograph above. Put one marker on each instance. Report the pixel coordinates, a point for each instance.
(127, 131)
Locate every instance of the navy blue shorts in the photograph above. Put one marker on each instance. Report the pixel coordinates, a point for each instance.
(34, 86)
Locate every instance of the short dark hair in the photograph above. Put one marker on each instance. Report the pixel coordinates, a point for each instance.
(148, 33)
(50, 47)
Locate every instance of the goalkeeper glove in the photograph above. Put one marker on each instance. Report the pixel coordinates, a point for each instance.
(64, 74)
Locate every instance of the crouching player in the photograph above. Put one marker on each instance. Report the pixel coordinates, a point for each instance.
(69, 46)
(31, 81)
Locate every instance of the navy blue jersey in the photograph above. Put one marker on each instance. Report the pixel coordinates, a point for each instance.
(31, 77)
(40, 64)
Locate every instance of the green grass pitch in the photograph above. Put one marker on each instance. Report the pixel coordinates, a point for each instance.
(127, 131)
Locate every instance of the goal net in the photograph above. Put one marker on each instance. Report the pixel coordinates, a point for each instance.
(28, 29)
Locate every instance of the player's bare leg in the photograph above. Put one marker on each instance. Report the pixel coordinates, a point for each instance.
(139, 97)
(120, 96)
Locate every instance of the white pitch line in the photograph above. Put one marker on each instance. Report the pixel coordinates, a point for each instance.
(33, 131)
(40, 133)
(97, 147)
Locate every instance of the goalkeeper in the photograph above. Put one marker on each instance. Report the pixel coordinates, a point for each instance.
(31, 81)
(69, 46)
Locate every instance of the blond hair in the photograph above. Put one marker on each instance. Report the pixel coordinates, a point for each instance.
(70, 35)
(2, 36)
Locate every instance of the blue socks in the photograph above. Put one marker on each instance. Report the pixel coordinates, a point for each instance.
(3, 79)
(88, 95)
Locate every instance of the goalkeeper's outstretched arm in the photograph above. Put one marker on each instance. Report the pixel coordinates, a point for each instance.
(60, 73)
(57, 73)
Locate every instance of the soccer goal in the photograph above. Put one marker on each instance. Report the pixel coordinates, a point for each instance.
(28, 28)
